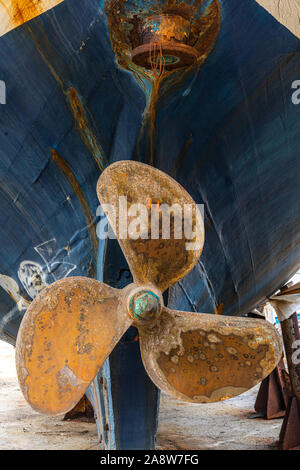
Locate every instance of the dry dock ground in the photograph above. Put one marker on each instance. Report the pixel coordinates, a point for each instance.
(181, 426)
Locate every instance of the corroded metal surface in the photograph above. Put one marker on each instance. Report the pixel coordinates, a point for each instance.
(72, 326)
(164, 43)
(127, 21)
(172, 56)
(167, 26)
(235, 246)
(160, 262)
(144, 305)
(67, 333)
(205, 358)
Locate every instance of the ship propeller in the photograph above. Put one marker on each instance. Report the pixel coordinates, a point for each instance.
(73, 325)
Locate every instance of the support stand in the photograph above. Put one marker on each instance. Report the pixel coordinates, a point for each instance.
(83, 411)
(274, 393)
(289, 438)
(290, 432)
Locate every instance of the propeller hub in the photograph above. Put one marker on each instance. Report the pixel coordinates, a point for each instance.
(144, 305)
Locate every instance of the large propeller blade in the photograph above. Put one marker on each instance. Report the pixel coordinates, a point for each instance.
(73, 325)
(67, 333)
(163, 260)
(206, 358)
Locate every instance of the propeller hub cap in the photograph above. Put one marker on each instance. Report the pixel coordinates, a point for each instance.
(144, 306)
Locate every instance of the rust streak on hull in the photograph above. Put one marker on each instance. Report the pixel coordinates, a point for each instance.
(78, 109)
(66, 169)
(85, 130)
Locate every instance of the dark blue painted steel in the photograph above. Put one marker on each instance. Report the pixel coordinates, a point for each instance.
(125, 400)
(242, 162)
(229, 133)
(134, 396)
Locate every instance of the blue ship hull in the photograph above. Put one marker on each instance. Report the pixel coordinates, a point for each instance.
(229, 133)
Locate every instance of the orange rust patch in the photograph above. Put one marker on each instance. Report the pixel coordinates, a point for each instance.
(81, 115)
(160, 262)
(124, 32)
(211, 363)
(219, 309)
(124, 28)
(86, 132)
(152, 115)
(65, 336)
(205, 358)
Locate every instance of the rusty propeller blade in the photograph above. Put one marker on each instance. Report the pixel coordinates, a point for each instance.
(162, 261)
(204, 358)
(73, 325)
(66, 334)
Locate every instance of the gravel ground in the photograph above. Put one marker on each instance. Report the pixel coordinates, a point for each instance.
(181, 426)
